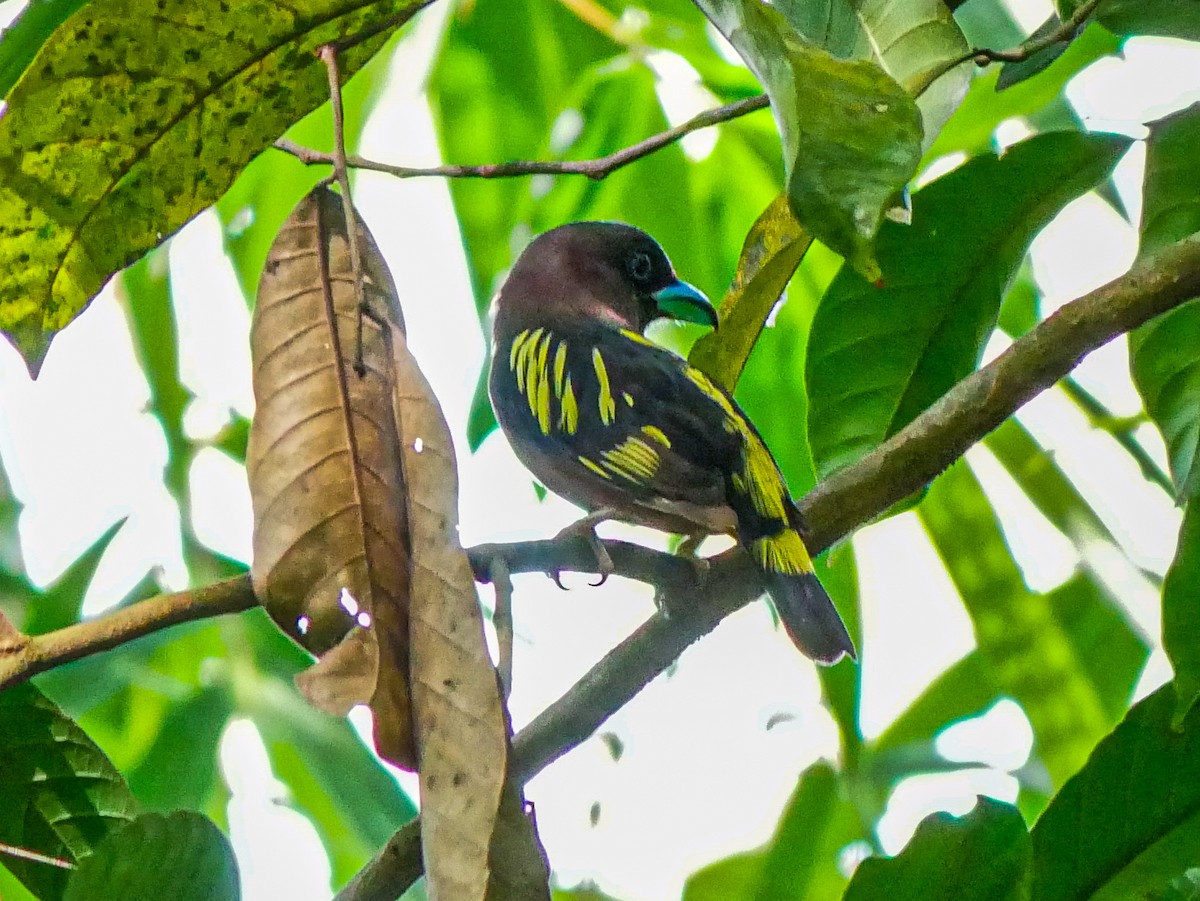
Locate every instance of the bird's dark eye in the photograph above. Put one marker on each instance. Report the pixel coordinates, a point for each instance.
(639, 266)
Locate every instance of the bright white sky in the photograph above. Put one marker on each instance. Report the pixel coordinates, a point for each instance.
(701, 776)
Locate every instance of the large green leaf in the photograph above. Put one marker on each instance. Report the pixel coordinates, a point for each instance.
(181, 856)
(851, 132)
(1181, 611)
(1169, 18)
(1165, 352)
(1067, 657)
(135, 116)
(877, 356)
(59, 795)
(983, 856)
(20, 42)
(1129, 822)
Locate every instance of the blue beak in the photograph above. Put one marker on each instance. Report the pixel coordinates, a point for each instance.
(681, 301)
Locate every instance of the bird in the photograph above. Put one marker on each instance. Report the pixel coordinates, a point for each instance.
(628, 430)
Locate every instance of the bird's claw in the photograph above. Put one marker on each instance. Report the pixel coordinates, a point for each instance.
(586, 529)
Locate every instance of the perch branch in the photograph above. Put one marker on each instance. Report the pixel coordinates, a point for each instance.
(595, 169)
(1064, 32)
(847, 499)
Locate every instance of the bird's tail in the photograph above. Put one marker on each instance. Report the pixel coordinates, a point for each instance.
(803, 605)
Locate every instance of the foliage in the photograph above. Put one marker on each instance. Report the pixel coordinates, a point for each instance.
(124, 119)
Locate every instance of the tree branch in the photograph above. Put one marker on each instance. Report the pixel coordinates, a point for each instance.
(595, 169)
(1064, 32)
(24, 656)
(847, 499)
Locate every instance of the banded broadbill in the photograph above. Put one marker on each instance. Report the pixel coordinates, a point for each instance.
(616, 424)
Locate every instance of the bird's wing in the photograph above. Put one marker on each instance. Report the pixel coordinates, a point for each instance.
(606, 417)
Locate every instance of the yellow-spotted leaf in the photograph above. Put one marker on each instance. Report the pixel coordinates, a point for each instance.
(135, 116)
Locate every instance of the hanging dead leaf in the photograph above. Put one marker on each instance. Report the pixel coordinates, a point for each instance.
(331, 545)
(520, 868)
(461, 734)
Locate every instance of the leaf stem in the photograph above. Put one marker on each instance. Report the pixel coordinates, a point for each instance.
(328, 54)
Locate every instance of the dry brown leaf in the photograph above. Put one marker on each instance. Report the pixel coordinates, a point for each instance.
(520, 869)
(330, 534)
(461, 732)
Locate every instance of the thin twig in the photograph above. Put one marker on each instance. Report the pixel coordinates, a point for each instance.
(983, 56)
(35, 857)
(502, 619)
(850, 497)
(329, 55)
(595, 169)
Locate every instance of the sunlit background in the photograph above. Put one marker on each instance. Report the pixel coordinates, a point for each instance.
(709, 752)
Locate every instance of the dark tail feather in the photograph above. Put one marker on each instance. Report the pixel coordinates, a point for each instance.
(809, 617)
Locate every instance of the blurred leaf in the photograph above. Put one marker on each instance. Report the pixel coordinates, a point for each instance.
(191, 732)
(11, 888)
(59, 795)
(20, 41)
(1019, 309)
(497, 91)
(962, 690)
(843, 168)
(983, 855)
(1014, 73)
(1036, 471)
(1066, 657)
(58, 605)
(879, 356)
(1129, 822)
(971, 127)
(1168, 18)
(110, 163)
(772, 250)
(181, 856)
(842, 684)
(1170, 207)
(334, 779)
(800, 864)
(1181, 612)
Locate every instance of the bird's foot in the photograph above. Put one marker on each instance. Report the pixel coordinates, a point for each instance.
(688, 548)
(586, 528)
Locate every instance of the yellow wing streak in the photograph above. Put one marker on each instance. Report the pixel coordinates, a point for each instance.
(543, 388)
(568, 410)
(783, 552)
(640, 339)
(633, 459)
(516, 347)
(594, 468)
(560, 366)
(607, 406)
(759, 477)
(657, 434)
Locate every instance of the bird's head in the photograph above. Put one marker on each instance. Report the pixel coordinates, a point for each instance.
(598, 270)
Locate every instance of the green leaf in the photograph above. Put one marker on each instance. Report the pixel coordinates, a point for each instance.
(20, 42)
(963, 690)
(1169, 18)
(1181, 612)
(971, 127)
(1170, 206)
(181, 856)
(59, 795)
(772, 250)
(851, 133)
(190, 732)
(877, 357)
(134, 117)
(983, 856)
(58, 606)
(1067, 657)
(801, 862)
(1129, 822)
(1014, 73)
